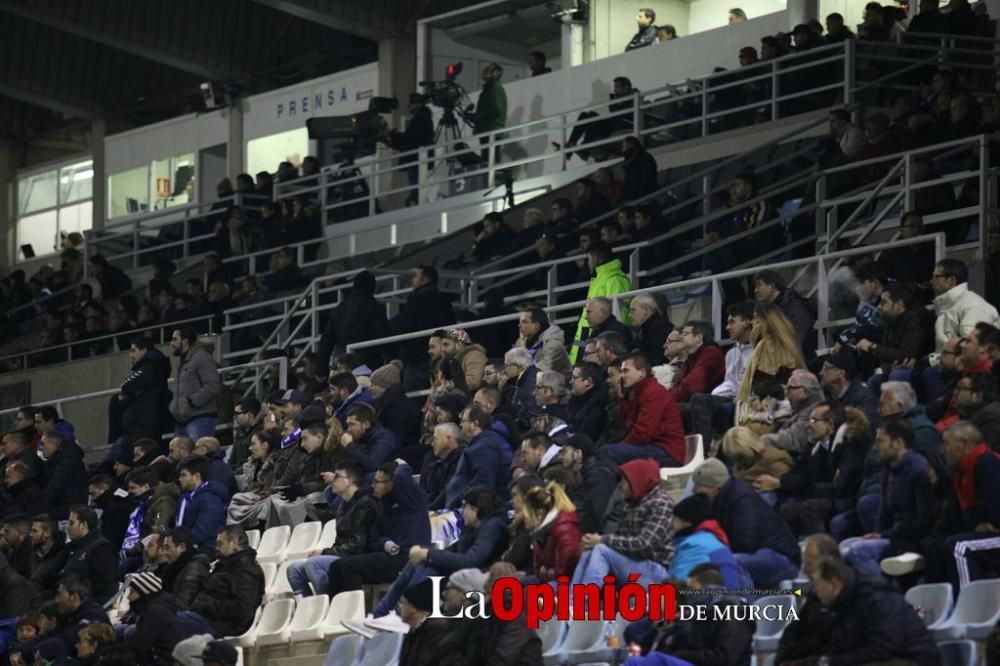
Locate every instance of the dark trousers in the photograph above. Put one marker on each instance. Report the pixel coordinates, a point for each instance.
(807, 517)
(351, 573)
(706, 414)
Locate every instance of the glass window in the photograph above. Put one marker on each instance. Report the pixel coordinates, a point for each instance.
(39, 231)
(267, 152)
(173, 181)
(128, 192)
(76, 182)
(37, 192)
(76, 218)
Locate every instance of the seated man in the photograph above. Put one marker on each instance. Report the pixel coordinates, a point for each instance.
(485, 460)
(186, 569)
(758, 536)
(232, 593)
(841, 383)
(653, 424)
(483, 539)
(804, 392)
(704, 367)
(907, 503)
(91, 558)
(402, 522)
(440, 463)
(642, 542)
(202, 510)
(596, 498)
(48, 554)
(587, 401)
(355, 518)
(366, 440)
(866, 621)
(78, 609)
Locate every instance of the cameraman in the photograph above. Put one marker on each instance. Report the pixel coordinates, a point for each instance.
(491, 109)
(419, 133)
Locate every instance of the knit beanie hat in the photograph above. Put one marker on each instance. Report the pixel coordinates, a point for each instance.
(711, 474)
(421, 595)
(583, 443)
(145, 583)
(695, 509)
(468, 580)
(389, 375)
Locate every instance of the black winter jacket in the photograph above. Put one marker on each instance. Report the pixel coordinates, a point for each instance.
(45, 568)
(909, 336)
(145, 399)
(750, 523)
(434, 477)
(358, 318)
(94, 559)
(829, 470)
(65, 480)
(425, 307)
(645, 37)
(232, 593)
(355, 521)
(587, 415)
(477, 547)
(23, 497)
(399, 415)
(183, 578)
(156, 630)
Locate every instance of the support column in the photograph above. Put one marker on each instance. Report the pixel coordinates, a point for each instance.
(802, 11)
(234, 147)
(8, 247)
(397, 77)
(99, 205)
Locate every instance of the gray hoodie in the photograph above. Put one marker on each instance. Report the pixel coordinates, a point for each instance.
(198, 385)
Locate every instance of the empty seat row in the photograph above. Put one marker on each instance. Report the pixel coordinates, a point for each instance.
(382, 649)
(315, 618)
(282, 543)
(973, 616)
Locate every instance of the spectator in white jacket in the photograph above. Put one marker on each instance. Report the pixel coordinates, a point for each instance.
(850, 137)
(958, 308)
(545, 341)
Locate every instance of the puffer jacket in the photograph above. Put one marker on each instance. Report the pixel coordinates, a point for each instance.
(156, 631)
(232, 593)
(476, 547)
(958, 312)
(355, 521)
(705, 543)
(473, 360)
(198, 385)
(555, 545)
(549, 350)
(162, 508)
(184, 577)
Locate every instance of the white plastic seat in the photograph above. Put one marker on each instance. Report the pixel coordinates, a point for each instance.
(768, 633)
(280, 588)
(958, 653)
(976, 612)
(344, 606)
(270, 570)
(551, 634)
(307, 624)
(305, 538)
(933, 603)
(584, 642)
(382, 649)
(329, 534)
(694, 455)
(253, 537)
(248, 638)
(344, 651)
(273, 544)
(275, 622)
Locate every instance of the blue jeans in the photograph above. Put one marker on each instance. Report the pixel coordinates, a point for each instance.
(867, 554)
(860, 520)
(767, 567)
(201, 426)
(193, 623)
(623, 453)
(410, 575)
(603, 560)
(315, 570)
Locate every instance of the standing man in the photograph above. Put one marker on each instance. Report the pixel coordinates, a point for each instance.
(491, 107)
(144, 400)
(609, 279)
(195, 405)
(425, 307)
(646, 35)
(419, 132)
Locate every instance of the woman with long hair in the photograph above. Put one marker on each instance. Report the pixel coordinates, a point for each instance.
(751, 457)
(555, 531)
(776, 353)
(519, 549)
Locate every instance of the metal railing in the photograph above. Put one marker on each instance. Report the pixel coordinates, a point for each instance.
(713, 283)
(110, 339)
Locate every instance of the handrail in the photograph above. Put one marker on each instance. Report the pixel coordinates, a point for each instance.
(131, 332)
(714, 281)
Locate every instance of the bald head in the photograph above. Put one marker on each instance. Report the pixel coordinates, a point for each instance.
(206, 445)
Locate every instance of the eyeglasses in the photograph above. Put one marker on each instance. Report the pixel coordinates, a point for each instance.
(381, 481)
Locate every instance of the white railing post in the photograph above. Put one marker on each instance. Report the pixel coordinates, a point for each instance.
(849, 59)
(717, 308)
(986, 202)
(322, 197)
(774, 90)
(822, 302)
(423, 159)
(563, 138)
(550, 286)
(314, 315)
(909, 196)
(820, 198)
(704, 108)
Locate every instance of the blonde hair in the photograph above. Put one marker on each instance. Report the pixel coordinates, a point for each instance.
(775, 346)
(97, 633)
(538, 501)
(742, 445)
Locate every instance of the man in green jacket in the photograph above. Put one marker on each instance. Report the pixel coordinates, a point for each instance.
(491, 108)
(609, 279)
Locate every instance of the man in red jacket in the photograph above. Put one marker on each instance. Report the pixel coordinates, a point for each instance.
(704, 368)
(653, 425)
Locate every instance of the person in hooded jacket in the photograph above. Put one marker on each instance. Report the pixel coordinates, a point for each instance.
(609, 279)
(543, 340)
(698, 539)
(195, 404)
(483, 540)
(643, 542)
(358, 318)
(144, 399)
(202, 510)
(156, 629)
